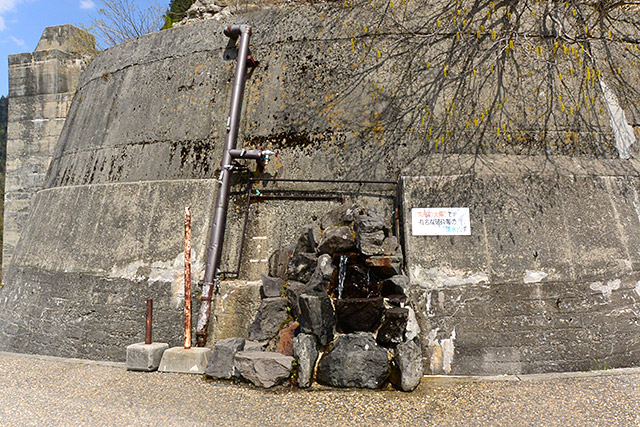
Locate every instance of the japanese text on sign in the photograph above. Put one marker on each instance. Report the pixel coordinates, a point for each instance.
(440, 221)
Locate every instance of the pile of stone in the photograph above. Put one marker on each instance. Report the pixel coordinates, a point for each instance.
(215, 9)
(334, 309)
(204, 9)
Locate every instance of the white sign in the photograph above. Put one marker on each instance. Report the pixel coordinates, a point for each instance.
(440, 221)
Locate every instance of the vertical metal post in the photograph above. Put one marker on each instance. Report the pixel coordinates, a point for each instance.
(187, 277)
(243, 32)
(148, 330)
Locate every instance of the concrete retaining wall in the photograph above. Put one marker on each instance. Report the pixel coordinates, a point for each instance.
(344, 92)
(548, 279)
(41, 85)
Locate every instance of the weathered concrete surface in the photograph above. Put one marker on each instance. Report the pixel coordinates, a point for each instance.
(93, 275)
(343, 91)
(66, 38)
(41, 86)
(234, 309)
(548, 279)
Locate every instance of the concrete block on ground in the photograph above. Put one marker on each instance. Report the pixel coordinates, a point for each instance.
(186, 361)
(145, 357)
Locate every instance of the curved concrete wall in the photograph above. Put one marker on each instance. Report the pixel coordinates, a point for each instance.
(350, 91)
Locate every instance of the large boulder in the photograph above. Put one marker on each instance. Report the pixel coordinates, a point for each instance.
(221, 362)
(294, 290)
(317, 317)
(263, 369)
(371, 229)
(393, 328)
(271, 286)
(406, 366)
(355, 360)
(370, 222)
(270, 317)
(283, 342)
(279, 262)
(325, 267)
(302, 266)
(337, 239)
(371, 243)
(307, 239)
(358, 314)
(385, 266)
(395, 285)
(306, 354)
(343, 214)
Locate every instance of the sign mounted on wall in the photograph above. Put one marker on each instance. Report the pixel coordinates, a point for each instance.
(440, 221)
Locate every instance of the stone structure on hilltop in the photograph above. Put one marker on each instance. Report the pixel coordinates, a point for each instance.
(41, 86)
(525, 113)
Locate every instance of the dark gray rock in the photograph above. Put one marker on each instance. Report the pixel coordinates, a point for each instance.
(395, 285)
(302, 266)
(271, 286)
(221, 363)
(355, 360)
(394, 325)
(397, 300)
(406, 366)
(316, 286)
(358, 314)
(294, 290)
(325, 267)
(370, 222)
(308, 239)
(340, 216)
(385, 266)
(270, 317)
(337, 239)
(321, 278)
(306, 353)
(279, 262)
(391, 246)
(317, 317)
(255, 345)
(371, 243)
(263, 369)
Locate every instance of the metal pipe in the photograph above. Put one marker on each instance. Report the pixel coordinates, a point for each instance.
(187, 277)
(148, 327)
(243, 32)
(332, 181)
(251, 154)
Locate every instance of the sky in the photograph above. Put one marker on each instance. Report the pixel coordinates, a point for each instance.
(23, 21)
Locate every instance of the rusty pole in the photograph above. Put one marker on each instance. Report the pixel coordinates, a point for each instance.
(148, 326)
(187, 277)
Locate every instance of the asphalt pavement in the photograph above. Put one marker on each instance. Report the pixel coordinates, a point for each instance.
(47, 391)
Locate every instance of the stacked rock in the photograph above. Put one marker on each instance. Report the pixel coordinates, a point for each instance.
(338, 295)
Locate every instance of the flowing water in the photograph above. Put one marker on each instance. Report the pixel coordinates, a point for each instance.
(342, 274)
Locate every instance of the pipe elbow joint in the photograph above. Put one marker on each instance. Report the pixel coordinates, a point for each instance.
(235, 31)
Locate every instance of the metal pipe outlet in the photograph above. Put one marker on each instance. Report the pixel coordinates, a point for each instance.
(243, 32)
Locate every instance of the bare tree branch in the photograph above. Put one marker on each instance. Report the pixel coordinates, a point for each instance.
(120, 20)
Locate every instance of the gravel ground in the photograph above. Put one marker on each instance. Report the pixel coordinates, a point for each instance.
(36, 390)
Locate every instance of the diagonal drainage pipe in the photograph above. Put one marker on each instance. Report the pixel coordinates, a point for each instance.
(243, 32)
